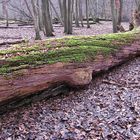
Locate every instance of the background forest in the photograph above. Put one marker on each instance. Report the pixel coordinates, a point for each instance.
(67, 13)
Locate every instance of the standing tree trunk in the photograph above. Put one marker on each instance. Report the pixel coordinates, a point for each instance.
(119, 6)
(65, 15)
(81, 13)
(69, 22)
(36, 19)
(97, 9)
(114, 15)
(39, 15)
(92, 11)
(68, 16)
(61, 10)
(87, 13)
(5, 12)
(47, 18)
(77, 13)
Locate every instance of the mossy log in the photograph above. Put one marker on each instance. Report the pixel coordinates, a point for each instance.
(30, 69)
(18, 40)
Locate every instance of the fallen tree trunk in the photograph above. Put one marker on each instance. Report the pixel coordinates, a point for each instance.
(12, 42)
(8, 37)
(27, 82)
(9, 27)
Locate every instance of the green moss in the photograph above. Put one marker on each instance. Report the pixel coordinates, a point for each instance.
(55, 55)
(19, 49)
(67, 49)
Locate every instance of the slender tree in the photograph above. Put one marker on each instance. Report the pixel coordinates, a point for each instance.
(60, 2)
(65, 15)
(5, 12)
(47, 22)
(114, 15)
(69, 19)
(77, 13)
(36, 19)
(81, 13)
(87, 13)
(68, 15)
(119, 7)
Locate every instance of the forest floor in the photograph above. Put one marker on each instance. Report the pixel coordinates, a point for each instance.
(27, 32)
(108, 109)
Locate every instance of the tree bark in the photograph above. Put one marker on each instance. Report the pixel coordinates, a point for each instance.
(81, 13)
(120, 8)
(69, 22)
(61, 10)
(47, 18)
(77, 13)
(36, 20)
(68, 16)
(5, 12)
(87, 13)
(65, 15)
(114, 15)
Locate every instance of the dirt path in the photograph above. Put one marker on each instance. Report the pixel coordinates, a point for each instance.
(108, 109)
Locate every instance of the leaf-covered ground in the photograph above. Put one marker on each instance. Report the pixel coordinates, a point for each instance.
(108, 110)
(27, 32)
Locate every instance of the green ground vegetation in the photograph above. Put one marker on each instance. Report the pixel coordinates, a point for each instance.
(67, 49)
